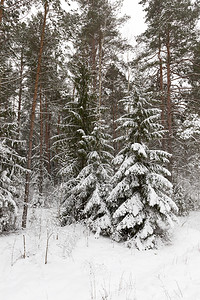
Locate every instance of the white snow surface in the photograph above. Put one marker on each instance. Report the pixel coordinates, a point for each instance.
(82, 267)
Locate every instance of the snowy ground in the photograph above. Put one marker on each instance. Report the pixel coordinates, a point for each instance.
(80, 267)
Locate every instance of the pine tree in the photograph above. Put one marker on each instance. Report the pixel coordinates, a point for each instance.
(141, 196)
(49, 97)
(32, 119)
(44, 62)
(169, 39)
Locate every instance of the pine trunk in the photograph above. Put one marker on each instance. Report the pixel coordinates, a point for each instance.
(47, 136)
(49, 145)
(169, 102)
(114, 112)
(32, 119)
(94, 63)
(20, 90)
(162, 93)
(93, 57)
(100, 68)
(41, 144)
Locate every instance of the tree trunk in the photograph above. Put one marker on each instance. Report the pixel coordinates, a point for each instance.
(41, 143)
(114, 112)
(20, 91)
(32, 119)
(47, 136)
(94, 63)
(93, 56)
(101, 44)
(100, 69)
(162, 93)
(169, 102)
(49, 145)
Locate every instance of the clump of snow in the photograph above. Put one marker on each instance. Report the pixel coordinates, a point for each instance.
(140, 149)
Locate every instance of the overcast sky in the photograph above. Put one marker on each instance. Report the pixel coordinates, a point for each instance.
(136, 24)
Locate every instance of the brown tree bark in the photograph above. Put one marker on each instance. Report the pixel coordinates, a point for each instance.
(93, 56)
(32, 119)
(41, 143)
(20, 91)
(114, 112)
(100, 67)
(169, 101)
(49, 144)
(101, 45)
(47, 136)
(162, 92)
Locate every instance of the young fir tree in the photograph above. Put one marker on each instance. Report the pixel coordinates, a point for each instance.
(11, 184)
(11, 165)
(90, 188)
(141, 196)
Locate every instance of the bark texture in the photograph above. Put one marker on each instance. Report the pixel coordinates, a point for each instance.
(32, 119)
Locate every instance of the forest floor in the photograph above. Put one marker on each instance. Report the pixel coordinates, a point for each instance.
(80, 267)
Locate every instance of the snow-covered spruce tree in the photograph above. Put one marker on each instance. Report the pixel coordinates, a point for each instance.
(11, 173)
(77, 119)
(11, 160)
(85, 169)
(89, 191)
(140, 200)
(76, 122)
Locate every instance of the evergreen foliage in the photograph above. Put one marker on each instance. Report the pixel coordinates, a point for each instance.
(11, 174)
(169, 39)
(77, 119)
(141, 197)
(72, 91)
(88, 193)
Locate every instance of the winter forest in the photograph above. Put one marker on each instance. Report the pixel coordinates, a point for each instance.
(99, 145)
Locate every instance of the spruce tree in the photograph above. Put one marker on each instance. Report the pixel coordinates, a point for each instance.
(77, 118)
(89, 191)
(86, 167)
(140, 200)
(11, 144)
